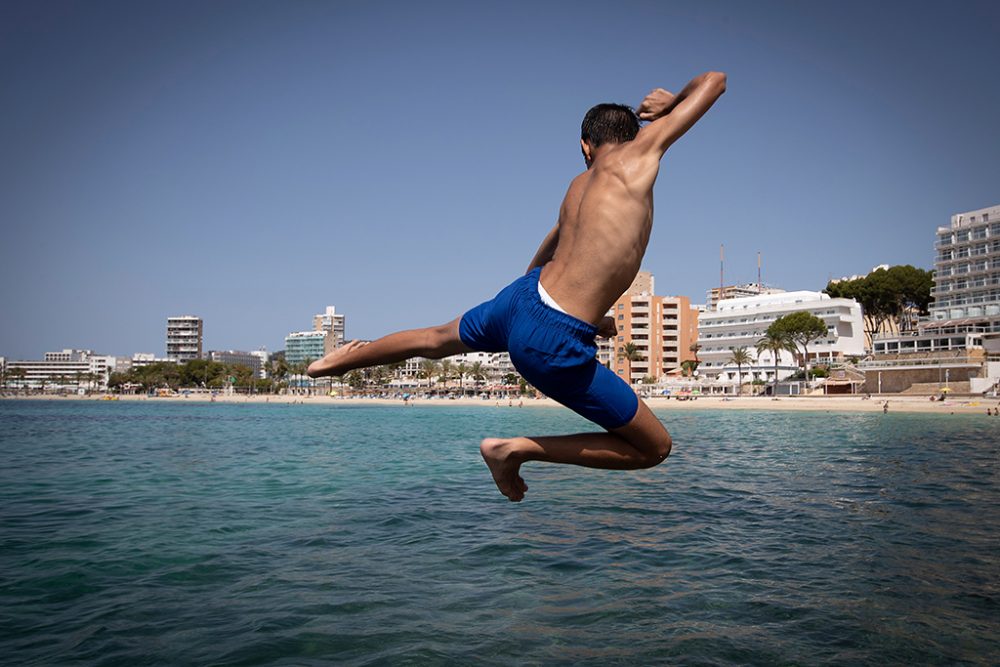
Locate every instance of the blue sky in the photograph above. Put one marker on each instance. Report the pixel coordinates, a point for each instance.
(253, 162)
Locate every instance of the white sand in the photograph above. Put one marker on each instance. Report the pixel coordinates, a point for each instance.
(956, 405)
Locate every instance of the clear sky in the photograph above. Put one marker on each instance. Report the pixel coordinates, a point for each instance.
(254, 162)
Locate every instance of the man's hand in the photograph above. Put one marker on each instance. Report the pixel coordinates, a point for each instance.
(607, 327)
(656, 105)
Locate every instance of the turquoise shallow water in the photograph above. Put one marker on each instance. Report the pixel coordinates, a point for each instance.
(208, 534)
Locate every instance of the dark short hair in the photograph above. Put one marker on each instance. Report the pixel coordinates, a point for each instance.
(609, 124)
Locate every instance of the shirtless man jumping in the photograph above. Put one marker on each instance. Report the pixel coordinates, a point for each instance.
(548, 319)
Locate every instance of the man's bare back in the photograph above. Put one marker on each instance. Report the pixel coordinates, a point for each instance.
(607, 214)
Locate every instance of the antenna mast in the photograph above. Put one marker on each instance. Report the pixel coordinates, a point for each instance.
(722, 282)
(760, 285)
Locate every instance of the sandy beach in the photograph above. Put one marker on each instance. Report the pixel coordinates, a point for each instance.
(909, 404)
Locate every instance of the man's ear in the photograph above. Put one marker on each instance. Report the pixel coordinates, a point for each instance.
(585, 147)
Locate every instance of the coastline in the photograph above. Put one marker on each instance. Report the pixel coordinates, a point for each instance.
(905, 404)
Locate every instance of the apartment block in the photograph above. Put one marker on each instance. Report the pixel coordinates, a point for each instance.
(184, 338)
(662, 329)
(333, 323)
(305, 346)
(967, 273)
(237, 358)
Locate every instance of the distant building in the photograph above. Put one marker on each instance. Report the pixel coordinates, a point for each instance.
(332, 323)
(305, 346)
(184, 338)
(66, 369)
(237, 358)
(958, 342)
(967, 274)
(140, 359)
(742, 323)
(717, 294)
(662, 329)
(263, 357)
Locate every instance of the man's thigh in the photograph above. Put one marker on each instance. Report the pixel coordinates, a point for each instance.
(593, 392)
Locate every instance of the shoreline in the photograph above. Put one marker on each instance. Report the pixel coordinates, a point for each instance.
(907, 404)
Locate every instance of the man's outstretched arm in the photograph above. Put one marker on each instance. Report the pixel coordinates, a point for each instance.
(673, 115)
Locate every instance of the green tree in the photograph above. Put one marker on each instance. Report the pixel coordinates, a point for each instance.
(355, 380)
(741, 357)
(18, 375)
(117, 380)
(462, 369)
(775, 341)
(802, 328)
(694, 348)
(380, 376)
(428, 371)
(478, 373)
(277, 370)
(630, 352)
(888, 296)
(446, 367)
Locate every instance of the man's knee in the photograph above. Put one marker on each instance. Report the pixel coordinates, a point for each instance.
(659, 450)
(647, 434)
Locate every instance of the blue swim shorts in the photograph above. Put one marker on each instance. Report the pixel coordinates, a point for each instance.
(553, 351)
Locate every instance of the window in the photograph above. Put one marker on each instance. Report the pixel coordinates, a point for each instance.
(621, 317)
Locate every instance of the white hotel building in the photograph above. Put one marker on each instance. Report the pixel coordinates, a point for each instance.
(67, 369)
(742, 322)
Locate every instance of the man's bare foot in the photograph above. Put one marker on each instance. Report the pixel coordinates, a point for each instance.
(333, 363)
(497, 452)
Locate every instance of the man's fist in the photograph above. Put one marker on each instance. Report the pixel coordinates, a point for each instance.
(607, 327)
(657, 104)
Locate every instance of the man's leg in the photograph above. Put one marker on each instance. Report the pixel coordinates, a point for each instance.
(431, 342)
(642, 443)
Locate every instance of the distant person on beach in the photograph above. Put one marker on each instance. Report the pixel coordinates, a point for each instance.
(548, 319)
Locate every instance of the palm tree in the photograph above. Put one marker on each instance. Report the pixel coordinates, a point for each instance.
(277, 369)
(462, 370)
(694, 347)
(630, 352)
(18, 374)
(775, 342)
(740, 356)
(428, 369)
(478, 374)
(446, 367)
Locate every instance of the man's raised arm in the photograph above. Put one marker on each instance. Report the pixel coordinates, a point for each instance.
(673, 115)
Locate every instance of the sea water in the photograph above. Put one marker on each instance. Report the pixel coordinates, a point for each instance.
(174, 533)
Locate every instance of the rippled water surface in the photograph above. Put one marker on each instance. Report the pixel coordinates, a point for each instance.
(197, 534)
